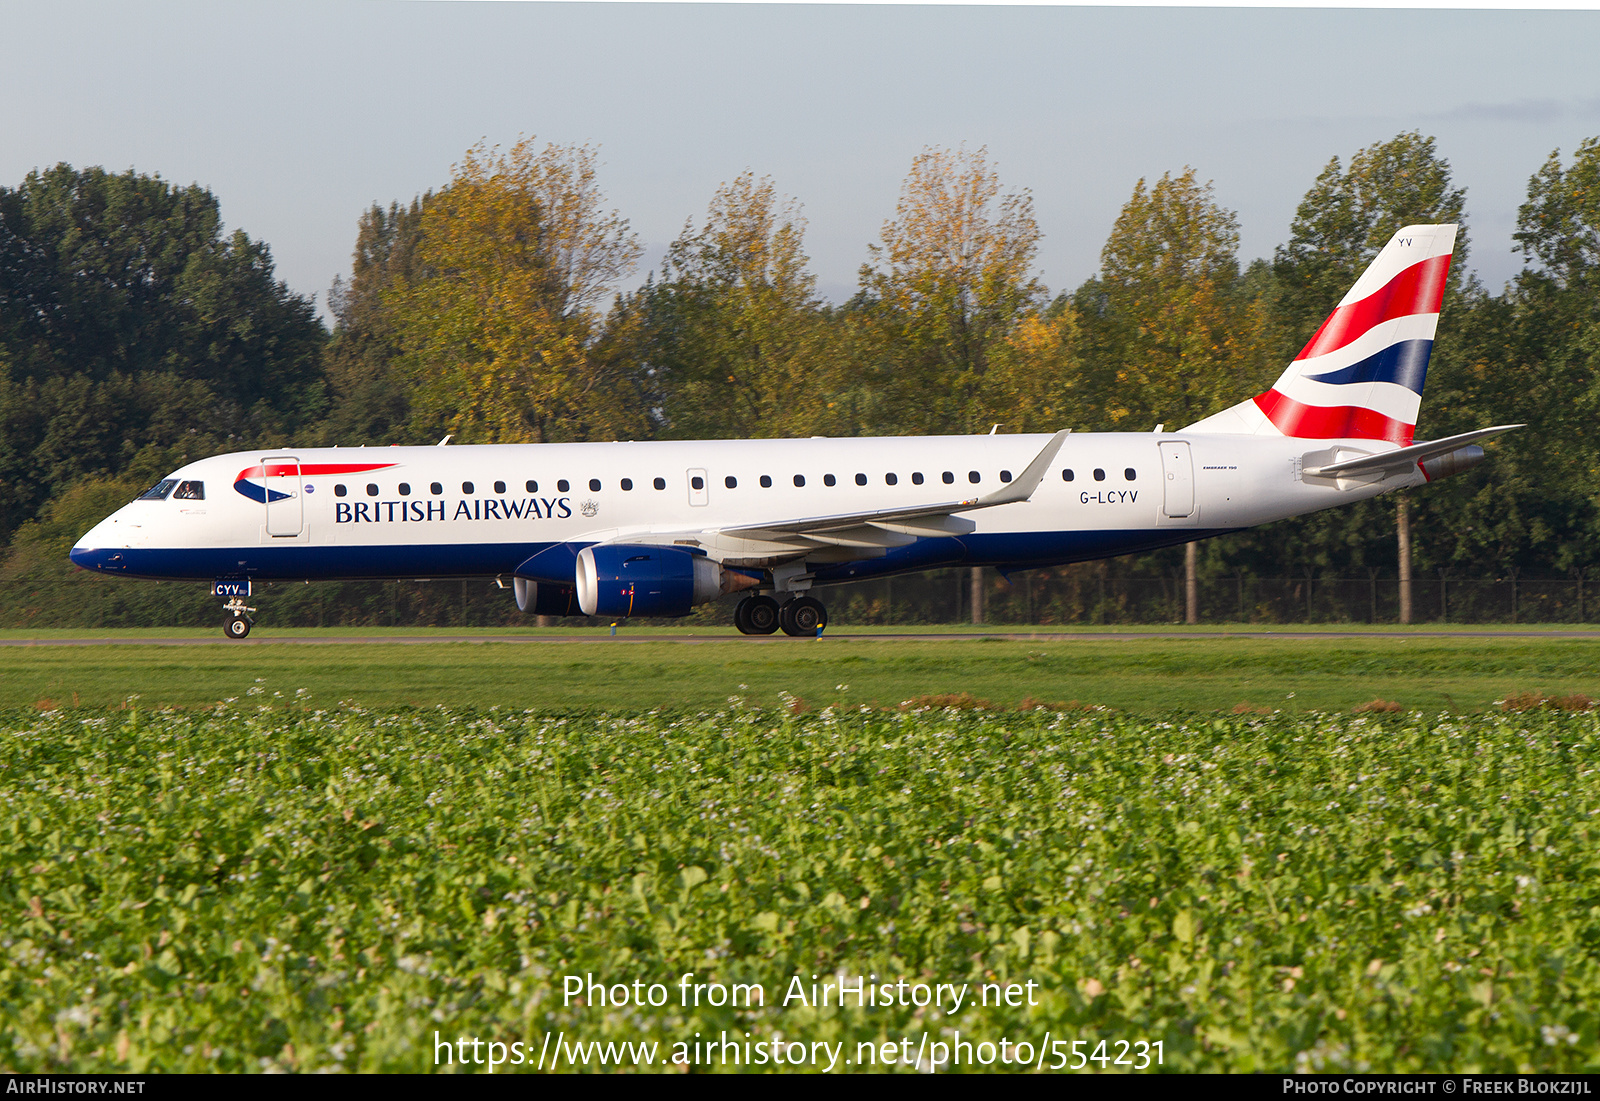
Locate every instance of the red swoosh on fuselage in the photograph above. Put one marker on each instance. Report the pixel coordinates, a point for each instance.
(307, 470)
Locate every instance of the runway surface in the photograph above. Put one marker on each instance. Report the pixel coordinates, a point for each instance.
(627, 637)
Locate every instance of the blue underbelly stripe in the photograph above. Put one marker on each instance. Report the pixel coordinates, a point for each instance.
(1009, 550)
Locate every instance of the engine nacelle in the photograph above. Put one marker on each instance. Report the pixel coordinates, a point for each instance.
(543, 598)
(1462, 458)
(623, 580)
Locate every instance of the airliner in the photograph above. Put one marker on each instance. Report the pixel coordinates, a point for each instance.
(655, 528)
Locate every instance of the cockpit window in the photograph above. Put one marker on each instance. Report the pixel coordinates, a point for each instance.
(190, 491)
(159, 491)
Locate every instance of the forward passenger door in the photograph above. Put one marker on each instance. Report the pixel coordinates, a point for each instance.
(285, 512)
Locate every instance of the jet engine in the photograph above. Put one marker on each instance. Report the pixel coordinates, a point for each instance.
(1462, 458)
(624, 580)
(543, 598)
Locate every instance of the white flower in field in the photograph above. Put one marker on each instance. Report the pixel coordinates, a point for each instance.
(1556, 1034)
(78, 1015)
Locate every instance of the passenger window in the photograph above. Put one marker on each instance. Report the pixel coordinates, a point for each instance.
(533, 486)
(799, 480)
(190, 491)
(1099, 475)
(466, 487)
(829, 480)
(660, 483)
(1067, 475)
(594, 485)
(891, 479)
(159, 491)
(499, 487)
(1005, 475)
(626, 484)
(916, 478)
(1130, 474)
(563, 485)
(974, 477)
(766, 481)
(697, 482)
(436, 489)
(731, 482)
(405, 489)
(372, 489)
(861, 479)
(338, 491)
(949, 478)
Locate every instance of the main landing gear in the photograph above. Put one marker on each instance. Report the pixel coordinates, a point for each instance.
(236, 621)
(800, 617)
(756, 615)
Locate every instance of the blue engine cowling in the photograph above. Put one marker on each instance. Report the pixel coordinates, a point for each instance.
(623, 580)
(543, 598)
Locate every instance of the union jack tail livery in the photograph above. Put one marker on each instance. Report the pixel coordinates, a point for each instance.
(1360, 377)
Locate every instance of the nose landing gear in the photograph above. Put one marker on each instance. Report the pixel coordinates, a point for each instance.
(236, 621)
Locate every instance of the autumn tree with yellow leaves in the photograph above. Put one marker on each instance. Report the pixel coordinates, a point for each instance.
(499, 333)
(735, 341)
(949, 284)
(1171, 336)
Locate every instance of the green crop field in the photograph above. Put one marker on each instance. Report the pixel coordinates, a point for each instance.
(1149, 675)
(264, 885)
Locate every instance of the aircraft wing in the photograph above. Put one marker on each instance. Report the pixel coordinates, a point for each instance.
(1018, 489)
(1404, 457)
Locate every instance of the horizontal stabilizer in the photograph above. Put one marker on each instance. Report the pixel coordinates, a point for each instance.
(1404, 457)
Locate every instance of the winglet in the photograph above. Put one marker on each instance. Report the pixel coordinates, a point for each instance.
(1022, 487)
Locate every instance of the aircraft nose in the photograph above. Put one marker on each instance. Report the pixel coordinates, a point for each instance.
(101, 547)
(86, 557)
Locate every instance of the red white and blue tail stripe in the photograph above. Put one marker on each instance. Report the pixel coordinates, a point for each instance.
(1360, 377)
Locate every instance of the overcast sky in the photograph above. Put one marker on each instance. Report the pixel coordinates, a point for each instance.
(298, 115)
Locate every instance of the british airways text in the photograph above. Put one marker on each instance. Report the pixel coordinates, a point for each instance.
(419, 512)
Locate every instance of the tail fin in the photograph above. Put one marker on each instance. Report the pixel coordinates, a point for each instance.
(1361, 376)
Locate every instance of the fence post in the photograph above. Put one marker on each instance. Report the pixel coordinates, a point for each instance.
(1402, 524)
(1191, 583)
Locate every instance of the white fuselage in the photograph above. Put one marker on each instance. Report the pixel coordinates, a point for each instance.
(459, 511)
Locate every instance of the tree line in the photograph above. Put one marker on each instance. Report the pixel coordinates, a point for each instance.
(135, 335)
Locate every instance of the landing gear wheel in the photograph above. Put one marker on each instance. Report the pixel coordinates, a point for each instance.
(236, 626)
(802, 616)
(757, 615)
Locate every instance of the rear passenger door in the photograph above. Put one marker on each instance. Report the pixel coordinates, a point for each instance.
(1177, 479)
